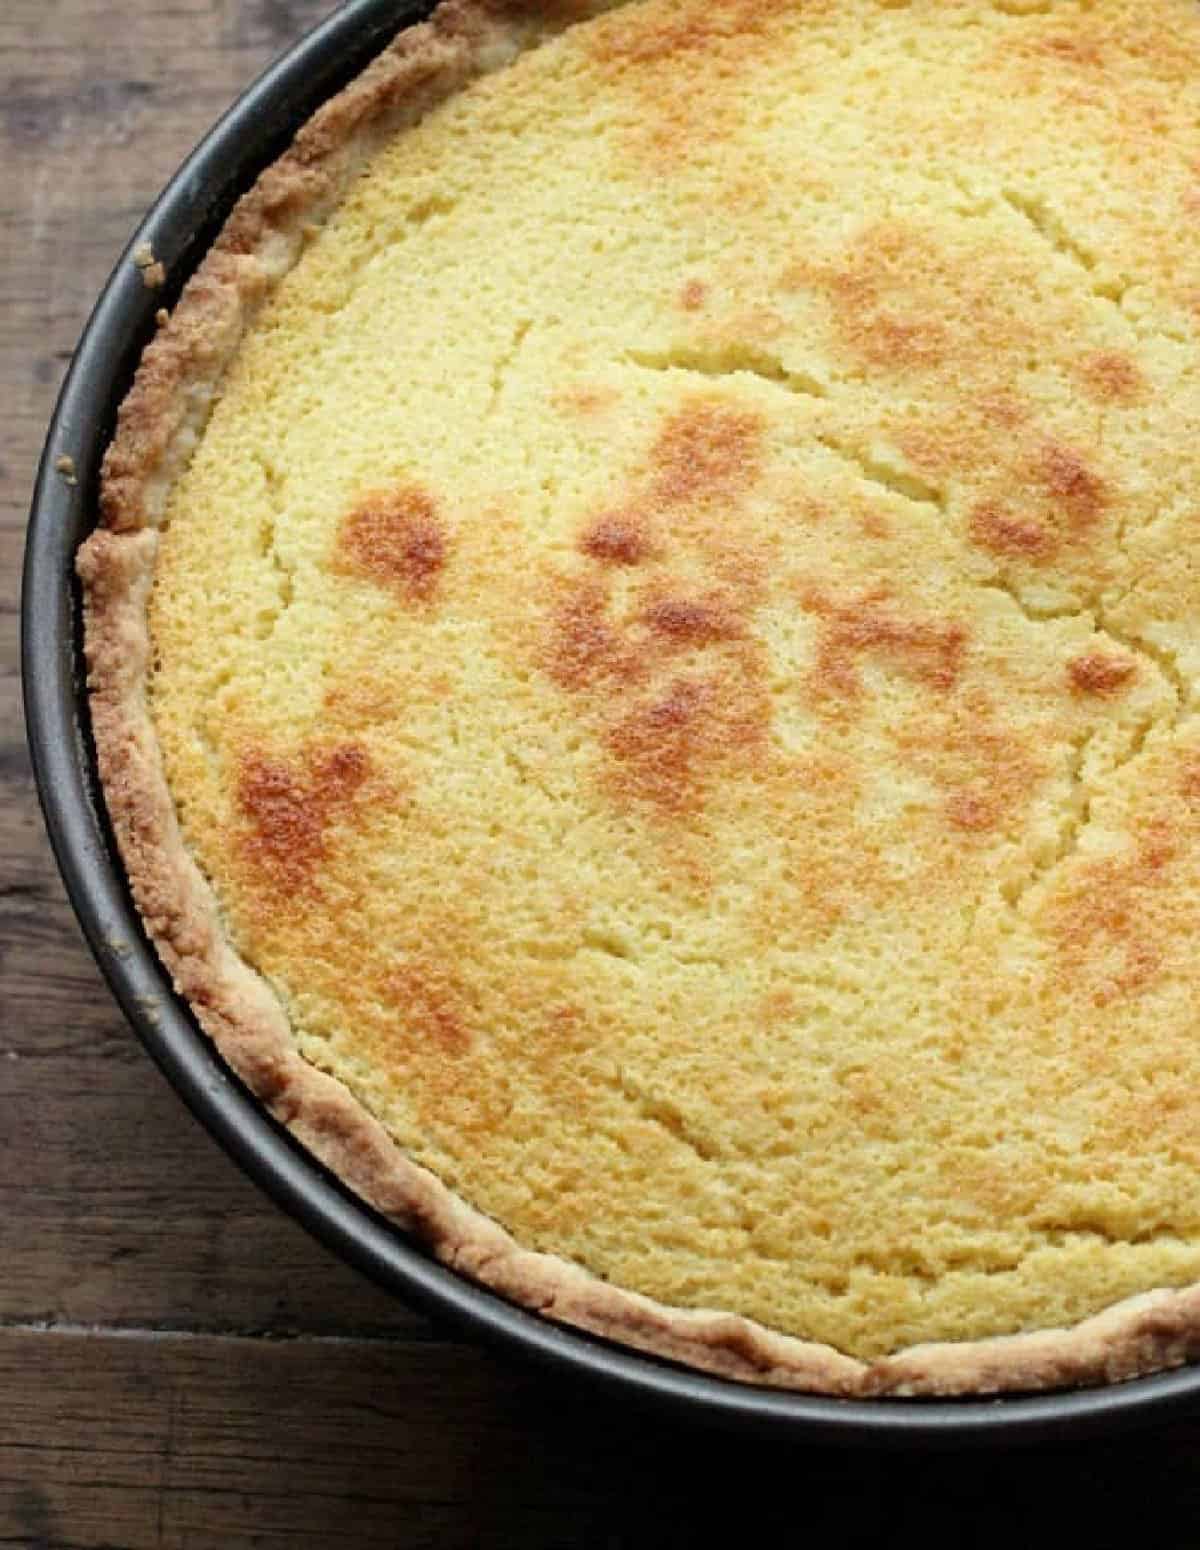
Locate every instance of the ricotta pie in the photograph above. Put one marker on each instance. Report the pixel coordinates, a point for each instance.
(643, 643)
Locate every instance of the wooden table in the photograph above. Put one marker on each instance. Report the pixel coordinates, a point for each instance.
(179, 1364)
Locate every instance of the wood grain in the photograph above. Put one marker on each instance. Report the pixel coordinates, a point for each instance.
(209, 1442)
(179, 1364)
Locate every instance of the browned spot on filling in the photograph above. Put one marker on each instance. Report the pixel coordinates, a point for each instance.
(984, 769)
(1189, 781)
(1111, 377)
(706, 452)
(1111, 919)
(930, 653)
(291, 807)
(396, 539)
(612, 642)
(640, 38)
(645, 43)
(617, 538)
(693, 295)
(878, 332)
(583, 398)
(888, 295)
(589, 647)
(1071, 50)
(873, 524)
(677, 108)
(777, 1006)
(990, 796)
(586, 647)
(693, 621)
(972, 811)
(1098, 673)
(1000, 532)
(938, 448)
(663, 748)
(1000, 407)
(430, 1004)
(890, 340)
(1070, 483)
(356, 700)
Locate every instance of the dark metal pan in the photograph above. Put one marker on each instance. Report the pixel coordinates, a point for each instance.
(179, 229)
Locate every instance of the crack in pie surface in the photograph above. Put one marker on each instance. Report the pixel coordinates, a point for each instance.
(643, 646)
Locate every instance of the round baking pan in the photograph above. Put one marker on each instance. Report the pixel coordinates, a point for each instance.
(178, 231)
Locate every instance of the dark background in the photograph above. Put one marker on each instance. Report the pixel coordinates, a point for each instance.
(179, 1365)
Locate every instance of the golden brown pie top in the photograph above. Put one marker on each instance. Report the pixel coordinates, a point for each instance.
(676, 651)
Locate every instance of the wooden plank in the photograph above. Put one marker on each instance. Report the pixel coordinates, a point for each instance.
(115, 1207)
(154, 1441)
(159, 1441)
